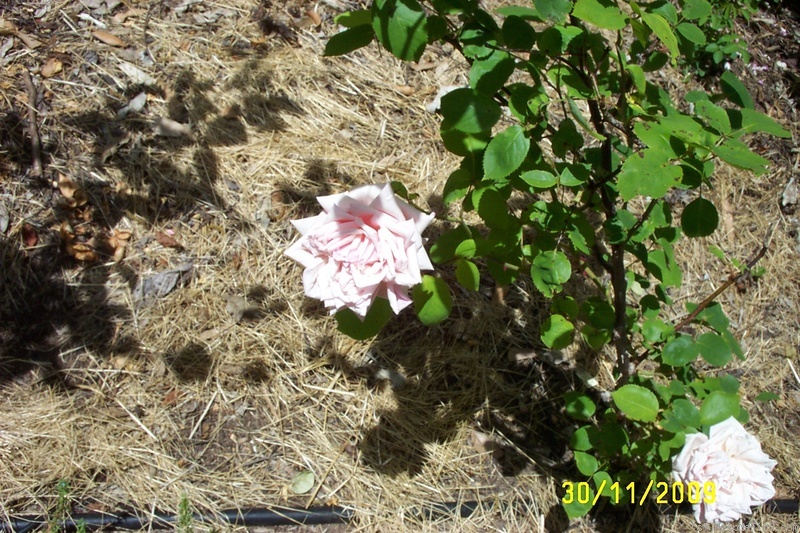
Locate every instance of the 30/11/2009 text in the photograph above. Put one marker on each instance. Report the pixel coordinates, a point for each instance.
(666, 493)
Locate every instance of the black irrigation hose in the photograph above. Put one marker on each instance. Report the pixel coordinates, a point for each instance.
(276, 517)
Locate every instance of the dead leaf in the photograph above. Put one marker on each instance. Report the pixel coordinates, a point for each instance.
(136, 104)
(172, 397)
(71, 191)
(423, 65)
(119, 18)
(136, 75)
(314, 16)
(405, 90)
(153, 287)
(7, 27)
(3, 218)
(7, 45)
(82, 252)
(167, 241)
(29, 235)
(52, 67)
(115, 145)
(29, 41)
(169, 128)
(484, 443)
(108, 38)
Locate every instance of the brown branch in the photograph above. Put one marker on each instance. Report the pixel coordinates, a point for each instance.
(733, 278)
(33, 130)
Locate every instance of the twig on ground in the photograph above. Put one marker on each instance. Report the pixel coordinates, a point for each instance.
(33, 130)
(791, 366)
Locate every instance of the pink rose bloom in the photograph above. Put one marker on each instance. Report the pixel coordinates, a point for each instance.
(732, 459)
(366, 243)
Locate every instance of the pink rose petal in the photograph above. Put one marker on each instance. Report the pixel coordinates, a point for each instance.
(366, 244)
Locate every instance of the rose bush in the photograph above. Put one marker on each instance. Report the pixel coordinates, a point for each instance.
(367, 243)
(732, 459)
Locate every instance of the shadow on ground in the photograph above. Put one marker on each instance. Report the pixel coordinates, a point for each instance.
(165, 179)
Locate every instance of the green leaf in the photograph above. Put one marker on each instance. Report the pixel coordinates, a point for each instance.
(594, 337)
(680, 351)
(603, 479)
(493, 208)
(444, 249)
(557, 332)
(566, 138)
(699, 218)
(733, 343)
(655, 330)
(457, 185)
(525, 13)
(578, 114)
(692, 33)
(489, 74)
(539, 179)
(715, 116)
(576, 509)
(518, 34)
(553, 10)
(549, 270)
(555, 39)
(735, 90)
(581, 440)
(714, 349)
(738, 154)
(579, 405)
(752, 121)
(467, 111)
(636, 402)
(432, 301)
(349, 40)
(639, 81)
(400, 26)
(651, 174)
(379, 314)
(661, 263)
(718, 406)
(467, 249)
(351, 19)
(602, 14)
(464, 144)
(663, 31)
(766, 396)
(587, 464)
(467, 274)
(681, 415)
(696, 9)
(505, 153)
(302, 482)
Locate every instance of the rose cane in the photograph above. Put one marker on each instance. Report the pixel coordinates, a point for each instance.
(366, 244)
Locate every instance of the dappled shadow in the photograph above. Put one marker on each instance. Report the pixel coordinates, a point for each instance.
(48, 324)
(486, 366)
(163, 178)
(190, 363)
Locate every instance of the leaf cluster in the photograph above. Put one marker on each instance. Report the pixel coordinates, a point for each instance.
(564, 111)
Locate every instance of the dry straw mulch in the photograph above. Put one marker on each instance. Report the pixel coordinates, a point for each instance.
(195, 368)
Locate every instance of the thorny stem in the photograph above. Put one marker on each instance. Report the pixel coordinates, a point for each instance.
(33, 130)
(617, 263)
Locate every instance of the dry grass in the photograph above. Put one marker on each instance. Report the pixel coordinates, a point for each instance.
(229, 386)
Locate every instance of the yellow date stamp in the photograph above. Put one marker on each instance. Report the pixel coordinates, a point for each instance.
(678, 492)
